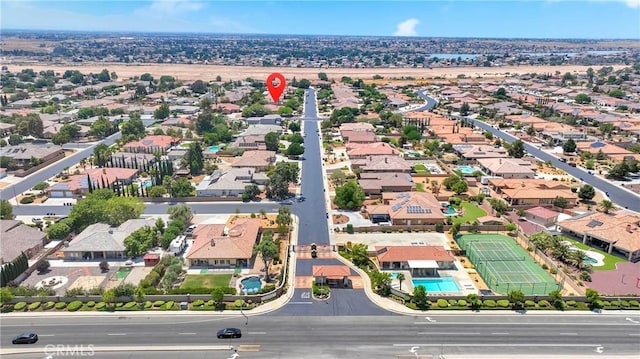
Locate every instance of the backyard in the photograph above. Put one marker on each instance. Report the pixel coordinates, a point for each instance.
(470, 212)
(421, 169)
(610, 261)
(206, 281)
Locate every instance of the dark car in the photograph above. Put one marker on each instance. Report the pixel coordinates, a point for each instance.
(229, 333)
(288, 203)
(25, 338)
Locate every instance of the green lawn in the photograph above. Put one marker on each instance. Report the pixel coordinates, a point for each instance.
(471, 213)
(610, 261)
(420, 187)
(420, 168)
(206, 281)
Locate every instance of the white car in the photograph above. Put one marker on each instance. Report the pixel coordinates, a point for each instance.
(36, 219)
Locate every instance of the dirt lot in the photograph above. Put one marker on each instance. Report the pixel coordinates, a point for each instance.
(187, 72)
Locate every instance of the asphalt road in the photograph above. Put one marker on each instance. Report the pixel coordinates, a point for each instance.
(431, 102)
(50, 171)
(618, 195)
(333, 337)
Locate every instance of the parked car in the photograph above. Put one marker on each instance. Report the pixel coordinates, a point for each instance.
(572, 164)
(190, 229)
(229, 333)
(36, 219)
(25, 338)
(286, 202)
(563, 160)
(301, 199)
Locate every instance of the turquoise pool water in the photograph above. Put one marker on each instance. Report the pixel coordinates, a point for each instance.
(436, 285)
(214, 148)
(251, 284)
(450, 210)
(467, 170)
(394, 275)
(147, 183)
(590, 260)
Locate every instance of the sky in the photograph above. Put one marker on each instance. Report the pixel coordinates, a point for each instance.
(585, 19)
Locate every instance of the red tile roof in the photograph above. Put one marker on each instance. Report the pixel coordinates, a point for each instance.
(409, 253)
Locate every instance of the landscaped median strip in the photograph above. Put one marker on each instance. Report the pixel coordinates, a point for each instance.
(158, 348)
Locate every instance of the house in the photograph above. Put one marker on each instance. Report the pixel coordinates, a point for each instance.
(363, 150)
(261, 130)
(218, 246)
(230, 183)
(474, 152)
(255, 142)
(542, 216)
(374, 183)
(78, 185)
(177, 154)
(27, 155)
(617, 232)
(259, 159)
(406, 208)
(17, 238)
(357, 126)
(359, 136)
(421, 261)
(266, 120)
(101, 241)
(532, 192)
(151, 259)
(507, 167)
(332, 275)
(153, 143)
(491, 221)
(392, 163)
(6, 128)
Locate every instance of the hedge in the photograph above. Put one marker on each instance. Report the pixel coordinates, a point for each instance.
(490, 303)
(198, 303)
(571, 303)
(169, 305)
(101, 305)
(91, 304)
(74, 306)
(529, 303)
(543, 303)
(130, 305)
(503, 303)
(20, 306)
(158, 303)
(61, 305)
(634, 303)
(49, 305)
(442, 303)
(34, 305)
(148, 304)
(238, 303)
(462, 303)
(411, 305)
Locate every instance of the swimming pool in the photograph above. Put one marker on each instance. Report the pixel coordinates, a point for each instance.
(251, 285)
(214, 148)
(147, 183)
(450, 210)
(467, 170)
(437, 285)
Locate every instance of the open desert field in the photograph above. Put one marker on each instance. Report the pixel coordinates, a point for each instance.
(186, 72)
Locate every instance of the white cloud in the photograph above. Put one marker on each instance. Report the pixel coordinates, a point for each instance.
(407, 28)
(172, 7)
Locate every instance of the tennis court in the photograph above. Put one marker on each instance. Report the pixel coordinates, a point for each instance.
(504, 265)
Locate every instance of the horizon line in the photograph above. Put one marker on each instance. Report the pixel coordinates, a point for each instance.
(310, 35)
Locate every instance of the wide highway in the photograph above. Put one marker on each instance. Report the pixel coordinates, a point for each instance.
(192, 335)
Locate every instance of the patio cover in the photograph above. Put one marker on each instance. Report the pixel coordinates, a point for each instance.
(429, 264)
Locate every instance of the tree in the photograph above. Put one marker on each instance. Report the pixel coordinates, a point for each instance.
(420, 296)
(323, 76)
(5, 295)
(464, 109)
(359, 255)
(474, 301)
(516, 298)
(294, 126)
(586, 192)
(6, 210)
(400, 277)
(182, 188)
(617, 93)
(199, 86)
(118, 210)
(104, 266)
(109, 297)
(194, 158)
(157, 191)
(295, 149)
(101, 154)
(556, 299)
(134, 127)
(450, 181)
(60, 230)
(251, 191)
(560, 202)
(498, 205)
(338, 178)
(181, 212)
(101, 128)
(140, 241)
(162, 112)
(606, 205)
(582, 98)
(217, 296)
(569, 146)
(268, 250)
(284, 217)
(381, 281)
(517, 149)
(349, 196)
(272, 141)
(460, 187)
(43, 266)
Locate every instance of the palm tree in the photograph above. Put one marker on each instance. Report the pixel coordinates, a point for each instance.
(400, 277)
(561, 252)
(606, 205)
(579, 259)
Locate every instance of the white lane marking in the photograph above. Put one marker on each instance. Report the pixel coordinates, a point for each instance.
(499, 333)
(453, 333)
(499, 345)
(300, 303)
(257, 333)
(531, 324)
(117, 334)
(46, 335)
(568, 333)
(632, 321)
(634, 335)
(187, 333)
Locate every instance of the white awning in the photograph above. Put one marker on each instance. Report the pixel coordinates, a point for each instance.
(423, 264)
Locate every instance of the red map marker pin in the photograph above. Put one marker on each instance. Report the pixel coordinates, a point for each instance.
(276, 84)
